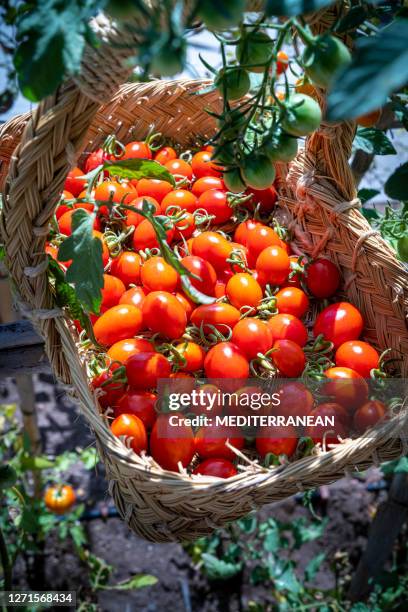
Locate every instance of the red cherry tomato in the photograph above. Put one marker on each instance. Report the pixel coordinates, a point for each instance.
(288, 327)
(144, 370)
(266, 198)
(214, 248)
(122, 350)
(323, 278)
(273, 266)
(359, 356)
(339, 323)
(158, 275)
(252, 336)
(282, 62)
(153, 188)
(193, 354)
(165, 154)
(179, 167)
(207, 183)
(118, 323)
(137, 150)
(132, 217)
(219, 468)
(171, 444)
(113, 288)
(180, 197)
(218, 315)
(211, 441)
(95, 159)
(295, 399)
(134, 296)
(144, 236)
(215, 202)
(203, 165)
(292, 300)
(226, 360)
(243, 290)
(139, 403)
(163, 314)
(289, 358)
(73, 184)
(328, 434)
(112, 389)
(276, 440)
(131, 427)
(346, 387)
(127, 267)
(368, 415)
(242, 230)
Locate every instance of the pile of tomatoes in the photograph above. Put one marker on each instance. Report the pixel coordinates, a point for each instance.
(252, 324)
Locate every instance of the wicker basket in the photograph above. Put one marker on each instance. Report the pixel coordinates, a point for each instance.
(318, 195)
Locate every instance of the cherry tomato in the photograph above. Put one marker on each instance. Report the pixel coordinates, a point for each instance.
(273, 266)
(110, 190)
(171, 444)
(206, 183)
(134, 296)
(185, 227)
(203, 165)
(180, 197)
(95, 159)
(346, 386)
(214, 248)
(137, 150)
(59, 499)
(132, 428)
(163, 314)
(122, 350)
(234, 83)
(132, 217)
(127, 267)
(165, 154)
(255, 50)
(324, 58)
(219, 468)
(112, 389)
(65, 222)
(288, 327)
(369, 119)
(210, 401)
(215, 202)
(158, 275)
(85, 205)
(186, 303)
(179, 167)
(289, 358)
(276, 440)
(296, 271)
(303, 115)
(139, 403)
(193, 354)
(73, 184)
(144, 236)
(226, 360)
(118, 323)
(295, 399)
(153, 188)
(282, 62)
(339, 323)
(292, 300)
(359, 356)
(211, 441)
(242, 230)
(252, 336)
(323, 278)
(368, 415)
(243, 290)
(113, 288)
(145, 369)
(218, 315)
(266, 198)
(105, 250)
(328, 434)
(259, 237)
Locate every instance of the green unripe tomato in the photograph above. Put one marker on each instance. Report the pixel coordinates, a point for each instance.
(235, 81)
(233, 181)
(254, 50)
(280, 147)
(324, 58)
(402, 248)
(303, 115)
(221, 15)
(258, 171)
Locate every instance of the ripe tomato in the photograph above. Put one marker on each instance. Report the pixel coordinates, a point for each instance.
(165, 154)
(193, 354)
(105, 250)
(218, 315)
(110, 190)
(323, 278)
(214, 248)
(288, 327)
(132, 428)
(243, 290)
(369, 119)
(186, 303)
(171, 444)
(282, 62)
(137, 150)
(295, 399)
(179, 167)
(163, 314)
(259, 237)
(153, 188)
(346, 386)
(132, 217)
(276, 440)
(59, 499)
(328, 434)
(95, 159)
(113, 288)
(219, 468)
(112, 389)
(203, 165)
(118, 323)
(215, 202)
(180, 197)
(242, 230)
(209, 402)
(65, 222)
(211, 441)
(144, 236)
(273, 266)
(134, 296)
(339, 323)
(85, 205)
(252, 336)
(359, 356)
(158, 275)
(144, 370)
(122, 350)
(226, 360)
(368, 415)
(292, 300)
(266, 198)
(127, 267)
(139, 403)
(289, 358)
(206, 183)
(185, 227)
(73, 184)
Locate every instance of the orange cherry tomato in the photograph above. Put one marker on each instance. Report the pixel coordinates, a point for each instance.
(242, 230)
(339, 323)
(132, 217)
(59, 499)
(158, 275)
(105, 250)
(218, 315)
(243, 290)
(165, 154)
(123, 349)
(118, 323)
(282, 62)
(140, 404)
(292, 300)
(134, 296)
(179, 167)
(214, 248)
(132, 428)
(194, 355)
(144, 370)
(127, 267)
(153, 188)
(65, 222)
(171, 445)
(179, 197)
(359, 356)
(113, 288)
(203, 165)
(288, 327)
(185, 227)
(144, 236)
(206, 183)
(252, 336)
(163, 314)
(187, 304)
(259, 237)
(137, 150)
(289, 358)
(273, 266)
(226, 360)
(219, 468)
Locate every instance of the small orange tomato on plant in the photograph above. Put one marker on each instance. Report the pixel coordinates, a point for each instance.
(59, 499)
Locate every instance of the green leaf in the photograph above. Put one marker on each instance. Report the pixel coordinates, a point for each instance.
(313, 566)
(290, 8)
(51, 39)
(89, 458)
(272, 539)
(138, 581)
(355, 17)
(396, 186)
(217, 569)
(306, 532)
(77, 534)
(379, 67)
(286, 580)
(138, 168)
(373, 141)
(364, 195)
(35, 463)
(2, 252)
(86, 269)
(394, 467)
(8, 477)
